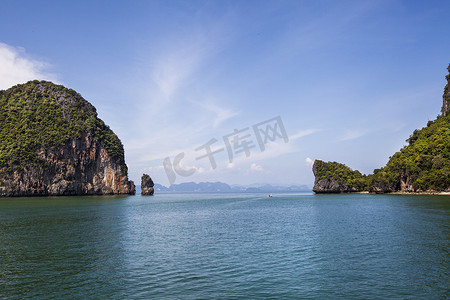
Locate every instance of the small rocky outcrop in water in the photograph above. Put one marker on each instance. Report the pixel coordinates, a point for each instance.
(52, 143)
(147, 185)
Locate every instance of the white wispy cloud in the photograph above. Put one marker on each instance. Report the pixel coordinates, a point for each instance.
(174, 71)
(309, 162)
(171, 96)
(255, 167)
(303, 133)
(181, 56)
(16, 66)
(351, 134)
(220, 113)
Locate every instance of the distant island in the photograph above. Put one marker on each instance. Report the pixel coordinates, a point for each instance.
(52, 143)
(423, 166)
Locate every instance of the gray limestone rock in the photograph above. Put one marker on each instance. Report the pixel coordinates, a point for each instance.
(147, 185)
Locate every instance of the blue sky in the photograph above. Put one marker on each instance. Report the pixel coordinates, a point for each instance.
(349, 80)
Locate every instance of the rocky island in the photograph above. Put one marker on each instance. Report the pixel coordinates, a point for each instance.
(147, 185)
(52, 143)
(423, 166)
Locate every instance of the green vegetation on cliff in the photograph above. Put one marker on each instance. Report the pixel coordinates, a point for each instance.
(41, 114)
(341, 174)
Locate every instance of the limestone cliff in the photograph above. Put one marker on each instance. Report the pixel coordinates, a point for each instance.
(53, 143)
(147, 185)
(446, 97)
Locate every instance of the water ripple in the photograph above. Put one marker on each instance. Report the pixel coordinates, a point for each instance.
(214, 247)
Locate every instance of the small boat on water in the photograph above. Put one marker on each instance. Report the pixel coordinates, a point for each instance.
(270, 195)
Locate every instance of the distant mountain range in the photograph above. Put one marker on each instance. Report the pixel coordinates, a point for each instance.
(220, 187)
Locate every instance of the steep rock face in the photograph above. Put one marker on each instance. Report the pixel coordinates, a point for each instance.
(332, 186)
(81, 167)
(383, 187)
(446, 96)
(54, 144)
(147, 185)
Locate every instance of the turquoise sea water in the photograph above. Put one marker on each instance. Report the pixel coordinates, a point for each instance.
(226, 246)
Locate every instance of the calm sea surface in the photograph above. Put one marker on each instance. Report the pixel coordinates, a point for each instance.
(226, 246)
